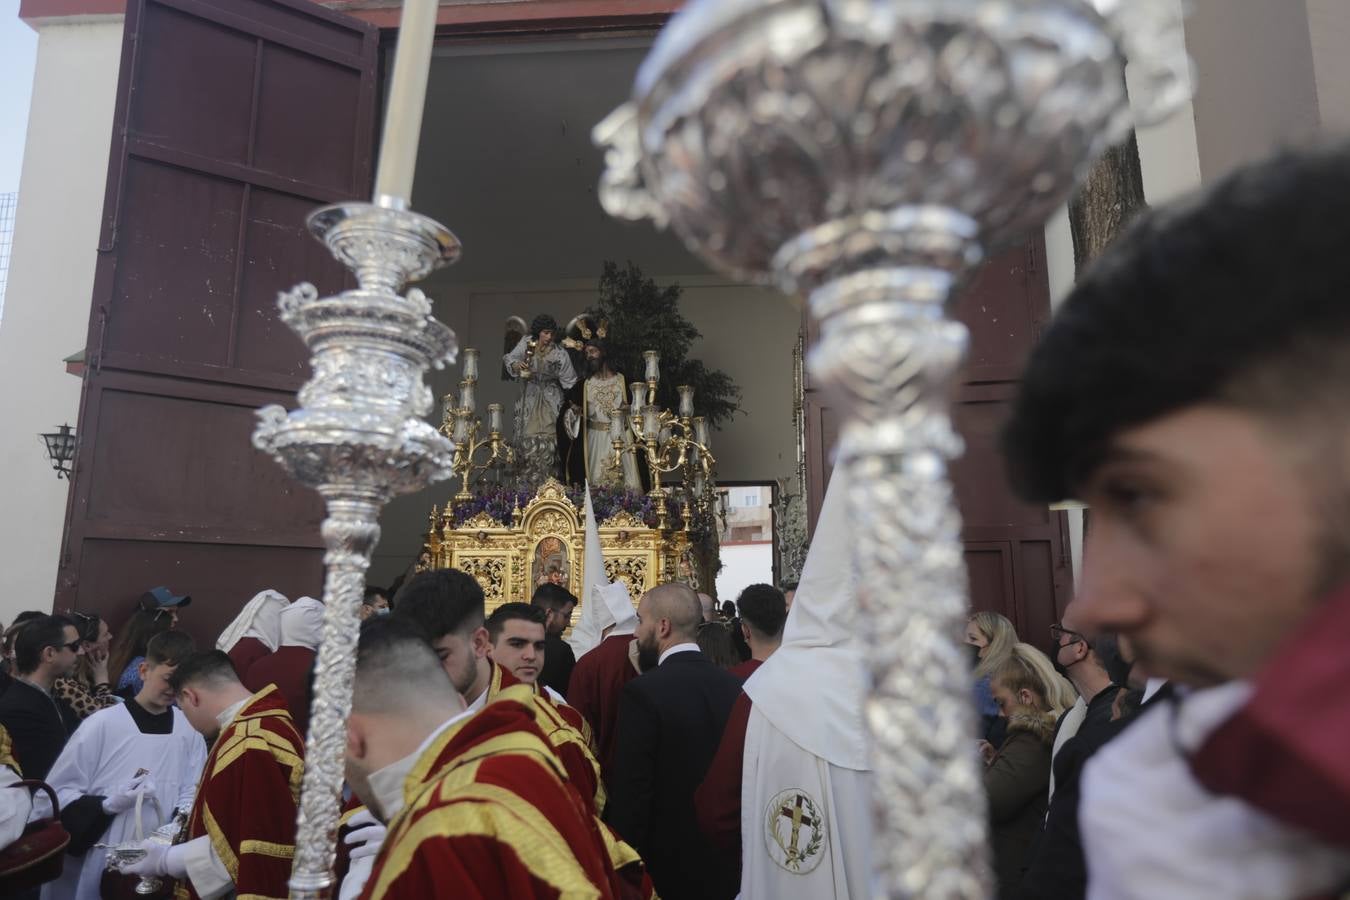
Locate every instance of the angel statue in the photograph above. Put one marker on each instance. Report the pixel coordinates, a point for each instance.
(545, 370)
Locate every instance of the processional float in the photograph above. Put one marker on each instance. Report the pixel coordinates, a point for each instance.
(865, 153)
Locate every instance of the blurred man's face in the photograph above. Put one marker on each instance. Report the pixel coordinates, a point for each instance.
(1204, 546)
(520, 649)
(68, 653)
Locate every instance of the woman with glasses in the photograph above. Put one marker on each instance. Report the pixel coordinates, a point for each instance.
(87, 689)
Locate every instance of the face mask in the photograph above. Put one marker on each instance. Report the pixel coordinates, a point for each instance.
(1059, 666)
(382, 612)
(974, 655)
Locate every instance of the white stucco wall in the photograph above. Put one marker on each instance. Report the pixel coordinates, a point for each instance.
(47, 302)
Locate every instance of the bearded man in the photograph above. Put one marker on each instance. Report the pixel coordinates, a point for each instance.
(545, 368)
(1192, 390)
(604, 393)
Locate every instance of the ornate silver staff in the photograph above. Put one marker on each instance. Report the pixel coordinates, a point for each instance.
(868, 153)
(357, 436)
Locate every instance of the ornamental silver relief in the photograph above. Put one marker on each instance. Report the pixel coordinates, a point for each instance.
(869, 154)
(357, 438)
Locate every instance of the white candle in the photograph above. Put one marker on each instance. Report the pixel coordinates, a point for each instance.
(407, 97)
(651, 423)
(653, 364)
(466, 398)
(639, 396)
(701, 431)
(460, 433)
(616, 425)
(470, 364)
(495, 417)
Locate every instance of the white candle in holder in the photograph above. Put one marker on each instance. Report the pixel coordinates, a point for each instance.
(460, 434)
(639, 396)
(616, 425)
(686, 401)
(470, 364)
(653, 364)
(701, 431)
(466, 396)
(407, 98)
(495, 417)
(651, 422)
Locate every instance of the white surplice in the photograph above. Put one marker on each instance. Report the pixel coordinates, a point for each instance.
(104, 754)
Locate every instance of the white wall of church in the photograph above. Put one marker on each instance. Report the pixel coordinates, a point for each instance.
(747, 332)
(50, 281)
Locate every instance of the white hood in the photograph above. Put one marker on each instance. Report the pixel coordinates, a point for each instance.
(260, 618)
(302, 624)
(812, 688)
(602, 604)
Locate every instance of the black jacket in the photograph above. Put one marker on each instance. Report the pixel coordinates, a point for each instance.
(38, 724)
(670, 723)
(559, 660)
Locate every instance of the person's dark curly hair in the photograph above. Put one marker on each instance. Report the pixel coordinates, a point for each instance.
(543, 322)
(1238, 296)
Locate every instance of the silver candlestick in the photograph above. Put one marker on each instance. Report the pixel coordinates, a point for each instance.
(869, 153)
(358, 439)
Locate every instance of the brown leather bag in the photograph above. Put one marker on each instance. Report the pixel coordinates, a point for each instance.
(39, 853)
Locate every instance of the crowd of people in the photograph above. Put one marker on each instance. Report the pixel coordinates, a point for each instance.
(1185, 736)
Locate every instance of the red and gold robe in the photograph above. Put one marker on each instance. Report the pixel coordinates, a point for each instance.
(245, 652)
(247, 798)
(597, 681)
(571, 744)
(489, 814)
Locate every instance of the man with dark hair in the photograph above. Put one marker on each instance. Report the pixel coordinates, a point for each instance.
(546, 369)
(241, 830)
(142, 750)
(447, 605)
(1192, 391)
(476, 801)
(670, 722)
(763, 612)
(516, 639)
(39, 723)
(375, 602)
(559, 660)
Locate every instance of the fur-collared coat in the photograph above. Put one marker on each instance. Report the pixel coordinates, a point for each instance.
(1017, 781)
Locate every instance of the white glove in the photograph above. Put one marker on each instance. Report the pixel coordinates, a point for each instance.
(159, 859)
(124, 798)
(366, 837)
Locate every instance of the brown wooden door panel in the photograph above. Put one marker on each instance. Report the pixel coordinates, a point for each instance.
(1015, 552)
(234, 119)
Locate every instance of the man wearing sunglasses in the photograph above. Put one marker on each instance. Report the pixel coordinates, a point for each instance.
(38, 722)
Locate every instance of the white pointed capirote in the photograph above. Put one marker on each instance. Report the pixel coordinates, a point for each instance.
(603, 605)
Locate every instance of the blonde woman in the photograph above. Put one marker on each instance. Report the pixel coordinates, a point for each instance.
(991, 638)
(1028, 691)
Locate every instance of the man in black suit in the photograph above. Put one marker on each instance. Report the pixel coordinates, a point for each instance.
(38, 722)
(670, 723)
(559, 660)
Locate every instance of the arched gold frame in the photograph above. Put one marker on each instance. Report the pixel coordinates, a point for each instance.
(499, 556)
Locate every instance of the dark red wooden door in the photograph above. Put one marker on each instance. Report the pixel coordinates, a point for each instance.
(234, 119)
(1016, 554)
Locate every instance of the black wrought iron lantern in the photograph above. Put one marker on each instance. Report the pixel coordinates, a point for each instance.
(60, 449)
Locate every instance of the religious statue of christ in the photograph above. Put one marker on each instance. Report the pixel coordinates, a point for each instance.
(604, 392)
(546, 371)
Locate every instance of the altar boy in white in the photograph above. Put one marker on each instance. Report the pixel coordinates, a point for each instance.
(805, 831)
(144, 747)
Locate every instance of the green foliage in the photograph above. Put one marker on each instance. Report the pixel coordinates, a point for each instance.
(642, 315)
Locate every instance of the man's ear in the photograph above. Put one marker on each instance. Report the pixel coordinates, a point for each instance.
(480, 643)
(356, 736)
(142, 669)
(745, 631)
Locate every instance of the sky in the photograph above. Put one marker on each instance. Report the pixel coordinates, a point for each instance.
(18, 54)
